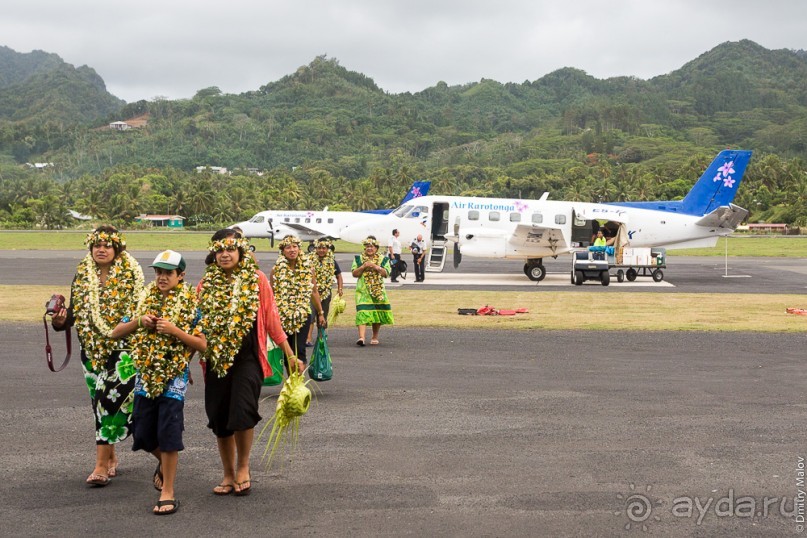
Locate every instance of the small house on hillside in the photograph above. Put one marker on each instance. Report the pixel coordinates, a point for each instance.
(39, 166)
(167, 221)
(119, 126)
(215, 169)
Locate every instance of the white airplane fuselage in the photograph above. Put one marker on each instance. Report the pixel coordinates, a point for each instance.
(526, 229)
(534, 229)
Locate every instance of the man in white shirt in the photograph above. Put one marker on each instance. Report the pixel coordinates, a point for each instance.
(394, 250)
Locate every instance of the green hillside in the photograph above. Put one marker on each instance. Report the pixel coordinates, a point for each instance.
(326, 135)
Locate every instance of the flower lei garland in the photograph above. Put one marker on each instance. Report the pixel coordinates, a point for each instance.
(373, 280)
(159, 357)
(98, 309)
(324, 270)
(229, 308)
(292, 287)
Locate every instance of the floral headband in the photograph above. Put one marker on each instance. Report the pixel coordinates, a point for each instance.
(324, 243)
(93, 238)
(370, 241)
(288, 240)
(229, 243)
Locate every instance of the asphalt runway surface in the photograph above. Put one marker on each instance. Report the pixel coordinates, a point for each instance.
(452, 433)
(682, 274)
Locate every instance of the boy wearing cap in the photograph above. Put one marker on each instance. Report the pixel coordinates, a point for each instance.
(164, 341)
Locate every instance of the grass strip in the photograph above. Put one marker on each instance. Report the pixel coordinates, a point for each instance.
(547, 310)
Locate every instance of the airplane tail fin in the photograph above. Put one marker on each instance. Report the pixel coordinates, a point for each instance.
(719, 183)
(716, 187)
(418, 189)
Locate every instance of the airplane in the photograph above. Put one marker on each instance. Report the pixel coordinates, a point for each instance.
(534, 229)
(312, 225)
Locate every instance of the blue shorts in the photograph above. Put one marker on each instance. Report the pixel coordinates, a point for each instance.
(158, 423)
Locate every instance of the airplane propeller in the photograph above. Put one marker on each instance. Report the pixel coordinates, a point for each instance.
(271, 234)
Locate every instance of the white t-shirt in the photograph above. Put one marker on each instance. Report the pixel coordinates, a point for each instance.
(395, 244)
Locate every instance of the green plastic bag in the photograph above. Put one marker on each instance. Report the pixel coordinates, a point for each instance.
(321, 368)
(275, 356)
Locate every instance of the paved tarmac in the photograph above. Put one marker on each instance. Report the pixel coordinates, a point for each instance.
(454, 433)
(450, 433)
(682, 274)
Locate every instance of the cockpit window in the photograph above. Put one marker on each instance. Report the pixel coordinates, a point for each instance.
(256, 218)
(402, 210)
(418, 211)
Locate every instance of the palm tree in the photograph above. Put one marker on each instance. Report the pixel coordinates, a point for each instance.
(201, 198)
(365, 196)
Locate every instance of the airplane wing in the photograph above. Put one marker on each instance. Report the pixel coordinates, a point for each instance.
(724, 217)
(538, 236)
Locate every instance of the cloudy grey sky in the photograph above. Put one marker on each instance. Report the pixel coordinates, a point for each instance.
(171, 48)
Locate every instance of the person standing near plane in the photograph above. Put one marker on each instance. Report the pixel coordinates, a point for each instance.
(295, 286)
(418, 248)
(394, 249)
(372, 304)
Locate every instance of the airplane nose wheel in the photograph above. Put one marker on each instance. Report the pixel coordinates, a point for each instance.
(535, 272)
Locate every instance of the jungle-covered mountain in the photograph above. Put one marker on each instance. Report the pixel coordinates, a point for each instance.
(325, 132)
(39, 89)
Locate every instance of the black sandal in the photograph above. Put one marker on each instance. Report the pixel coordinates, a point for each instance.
(158, 474)
(169, 502)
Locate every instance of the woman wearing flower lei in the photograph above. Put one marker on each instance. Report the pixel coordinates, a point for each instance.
(326, 269)
(238, 313)
(296, 289)
(372, 305)
(104, 292)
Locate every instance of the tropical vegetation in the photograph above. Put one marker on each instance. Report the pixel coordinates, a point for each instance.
(327, 136)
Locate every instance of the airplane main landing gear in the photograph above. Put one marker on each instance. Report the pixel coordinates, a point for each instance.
(535, 270)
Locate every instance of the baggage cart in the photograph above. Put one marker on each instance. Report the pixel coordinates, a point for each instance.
(636, 262)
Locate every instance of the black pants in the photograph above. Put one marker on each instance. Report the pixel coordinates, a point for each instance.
(420, 268)
(395, 272)
(297, 341)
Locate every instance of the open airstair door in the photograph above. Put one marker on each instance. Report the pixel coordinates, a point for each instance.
(437, 257)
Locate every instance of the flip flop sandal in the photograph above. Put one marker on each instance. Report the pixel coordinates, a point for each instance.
(244, 491)
(360, 342)
(227, 489)
(374, 342)
(168, 502)
(98, 480)
(158, 474)
(112, 472)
